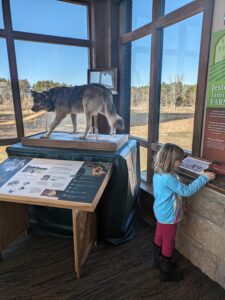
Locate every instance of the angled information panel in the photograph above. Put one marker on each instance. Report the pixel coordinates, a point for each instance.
(50, 179)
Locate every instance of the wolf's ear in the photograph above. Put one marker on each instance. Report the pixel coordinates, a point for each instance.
(33, 93)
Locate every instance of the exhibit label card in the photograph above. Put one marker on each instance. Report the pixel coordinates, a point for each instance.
(194, 165)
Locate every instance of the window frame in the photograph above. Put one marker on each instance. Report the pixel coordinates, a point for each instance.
(155, 28)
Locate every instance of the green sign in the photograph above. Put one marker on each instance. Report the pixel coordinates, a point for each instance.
(216, 80)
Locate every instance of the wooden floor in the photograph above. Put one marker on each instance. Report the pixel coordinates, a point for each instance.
(42, 268)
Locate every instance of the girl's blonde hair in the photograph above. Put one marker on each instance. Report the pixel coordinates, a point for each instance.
(166, 157)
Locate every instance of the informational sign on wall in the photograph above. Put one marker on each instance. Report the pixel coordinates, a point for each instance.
(214, 132)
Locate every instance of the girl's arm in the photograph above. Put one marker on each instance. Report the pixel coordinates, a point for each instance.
(186, 190)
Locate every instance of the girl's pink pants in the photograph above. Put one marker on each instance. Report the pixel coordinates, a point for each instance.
(165, 238)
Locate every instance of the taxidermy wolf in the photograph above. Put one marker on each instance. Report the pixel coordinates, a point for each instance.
(91, 99)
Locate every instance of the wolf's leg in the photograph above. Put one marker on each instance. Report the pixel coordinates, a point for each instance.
(88, 116)
(96, 126)
(74, 122)
(112, 131)
(53, 125)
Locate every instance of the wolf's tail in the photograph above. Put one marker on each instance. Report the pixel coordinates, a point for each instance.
(115, 121)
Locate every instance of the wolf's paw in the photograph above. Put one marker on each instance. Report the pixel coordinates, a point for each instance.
(83, 137)
(44, 137)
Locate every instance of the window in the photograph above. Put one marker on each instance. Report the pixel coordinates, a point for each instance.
(143, 162)
(180, 62)
(141, 13)
(41, 67)
(140, 74)
(48, 46)
(7, 114)
(162, 93)
(59, 18)
(174, 4)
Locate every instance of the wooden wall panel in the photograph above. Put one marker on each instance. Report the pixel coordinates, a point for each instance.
(13, 221)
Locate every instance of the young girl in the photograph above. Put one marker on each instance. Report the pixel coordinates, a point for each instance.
(168, 205)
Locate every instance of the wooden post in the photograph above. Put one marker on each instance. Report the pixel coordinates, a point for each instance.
(76, 241)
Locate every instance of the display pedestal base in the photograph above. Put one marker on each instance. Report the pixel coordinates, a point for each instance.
(104, 142)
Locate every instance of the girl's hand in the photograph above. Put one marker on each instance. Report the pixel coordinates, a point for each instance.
(209, 175)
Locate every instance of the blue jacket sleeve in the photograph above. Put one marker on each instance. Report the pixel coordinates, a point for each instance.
(186, 190)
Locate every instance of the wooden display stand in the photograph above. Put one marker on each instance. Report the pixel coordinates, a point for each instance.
(103, 142)
(14, 221)
(16, 188)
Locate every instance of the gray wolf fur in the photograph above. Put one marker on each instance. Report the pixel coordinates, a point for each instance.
(91, 99)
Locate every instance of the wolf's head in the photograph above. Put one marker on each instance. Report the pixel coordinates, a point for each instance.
(41, 101)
